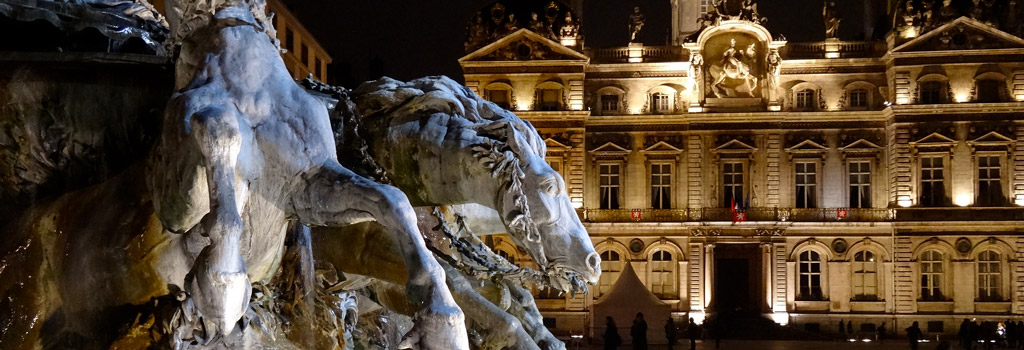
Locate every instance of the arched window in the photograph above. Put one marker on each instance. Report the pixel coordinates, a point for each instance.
(611, 267)
(989, 276)
(932, 92)
(660, 103)
(502, 253)
(610, 103)
(989, 90)
(500, 93)
(865, 276)
(932, 274)
(548, 97)
(805, 100)
(663, 275)
(857, 99)
(810, 276)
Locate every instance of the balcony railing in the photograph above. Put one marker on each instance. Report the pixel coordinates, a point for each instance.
(845, 49)
(751, 214)
(649, 54)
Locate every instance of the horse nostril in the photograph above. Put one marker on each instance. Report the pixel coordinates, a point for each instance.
(594, 262)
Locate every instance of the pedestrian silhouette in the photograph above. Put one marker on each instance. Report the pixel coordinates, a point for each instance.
(671, 332)
(693, 332)
(913, 335)
(842, 330)
(611, 335)
(639, 332)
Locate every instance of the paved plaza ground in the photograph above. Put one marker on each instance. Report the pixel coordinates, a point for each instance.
(893, 344)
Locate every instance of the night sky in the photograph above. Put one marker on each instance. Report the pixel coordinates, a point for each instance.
(408, 39)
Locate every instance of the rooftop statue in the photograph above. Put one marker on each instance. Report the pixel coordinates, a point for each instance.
(636, 23)
(570, 29)
(541, 27)
(832, 18)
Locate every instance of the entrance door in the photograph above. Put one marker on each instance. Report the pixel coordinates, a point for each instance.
(738, 285)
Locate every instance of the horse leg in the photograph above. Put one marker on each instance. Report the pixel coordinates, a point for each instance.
(218, 282)
(499, 329)
(336, 196)
(524, 308)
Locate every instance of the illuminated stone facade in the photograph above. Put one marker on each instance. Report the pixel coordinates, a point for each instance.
(880, 184)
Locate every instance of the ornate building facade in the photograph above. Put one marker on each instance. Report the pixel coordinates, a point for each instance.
(869, 181)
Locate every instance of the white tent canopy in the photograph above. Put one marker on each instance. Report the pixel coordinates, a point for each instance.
(627, 297)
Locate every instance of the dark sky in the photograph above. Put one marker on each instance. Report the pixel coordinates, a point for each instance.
(406, 39)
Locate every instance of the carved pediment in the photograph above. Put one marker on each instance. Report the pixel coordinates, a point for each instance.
(807, 148)
(993, 141)
(609, 151)
(661, 149)
(734, 148)
(962, 34)
(861, 147)
(524, 45)
(556, 146)
(934, 142)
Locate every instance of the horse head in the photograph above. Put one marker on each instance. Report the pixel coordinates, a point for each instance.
(469, 150)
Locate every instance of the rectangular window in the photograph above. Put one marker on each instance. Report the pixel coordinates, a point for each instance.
(805, 100)
(661, 186)
(865, 276)
(305, 55)
(610, 103)
(931, 92)
(990, 188)
(500, 97)
(810, 276)
(289, 39)
(659, 103)
(931, 275)
(859, 99)
(806, 184)
(732, 184)
(550, 99)
(556, 165)
(609, 174)
(989, 276)
(663, 275)
(933, 189)
(316, 67)
(860, 184)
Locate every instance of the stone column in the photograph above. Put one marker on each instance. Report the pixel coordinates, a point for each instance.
(709, 273)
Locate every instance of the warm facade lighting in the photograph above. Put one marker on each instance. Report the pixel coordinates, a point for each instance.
(569, 41)
(904, 201)
(781, 317)
(695, 109)
(698, 316)
(962, 199)
(636, 52)
(1019, 200)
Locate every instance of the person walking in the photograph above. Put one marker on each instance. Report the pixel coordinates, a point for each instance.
(693, 332)
(913, 335)
(639, 332)
(842, 330)
(881, 332)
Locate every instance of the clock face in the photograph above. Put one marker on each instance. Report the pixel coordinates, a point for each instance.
(839, 245)
(963, 245)
(636, 245)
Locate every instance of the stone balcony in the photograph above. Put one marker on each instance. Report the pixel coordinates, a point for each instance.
(648, 54)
